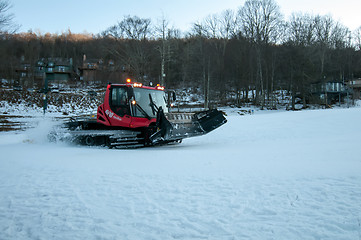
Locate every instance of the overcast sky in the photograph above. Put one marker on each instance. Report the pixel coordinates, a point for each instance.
(94, 16)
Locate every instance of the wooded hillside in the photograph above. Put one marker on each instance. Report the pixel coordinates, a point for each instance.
(227, 54)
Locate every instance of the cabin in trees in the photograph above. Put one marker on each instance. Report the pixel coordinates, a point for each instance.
(24, 76)
(89, 70)
(56, 70)
(355, 86)
(329, 92)
(62, 71)
(99, 71)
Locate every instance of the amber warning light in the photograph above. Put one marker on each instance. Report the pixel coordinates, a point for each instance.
(129, 80)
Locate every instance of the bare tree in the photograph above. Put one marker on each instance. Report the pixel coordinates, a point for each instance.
(200, 33)
(301, 35)
(212, 26)
(162, 29)
(323, 28)
(6, 19)
(217, 26)
(166, 38)
(260, 21)
(135, 28)
(214, 34)
(340, 36)
(228, 24)
(131, 35)
(301, 29)
(357, 38)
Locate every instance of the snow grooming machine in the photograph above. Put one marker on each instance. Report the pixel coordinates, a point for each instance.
(133, 115)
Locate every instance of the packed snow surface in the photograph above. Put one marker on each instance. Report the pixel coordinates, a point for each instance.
(271, 175)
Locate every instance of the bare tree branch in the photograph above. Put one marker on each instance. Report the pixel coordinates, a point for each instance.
(6, 19)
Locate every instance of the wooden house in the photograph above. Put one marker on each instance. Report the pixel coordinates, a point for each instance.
(355, 86)
(329, 92)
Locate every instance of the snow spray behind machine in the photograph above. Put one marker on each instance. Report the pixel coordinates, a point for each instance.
(133, 115)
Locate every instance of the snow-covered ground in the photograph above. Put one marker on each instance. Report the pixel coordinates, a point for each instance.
(271, 175)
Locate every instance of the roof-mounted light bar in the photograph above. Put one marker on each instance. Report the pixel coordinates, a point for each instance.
(159, 87)
(137, 85)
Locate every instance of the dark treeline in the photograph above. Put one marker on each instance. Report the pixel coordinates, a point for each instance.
(243, 55)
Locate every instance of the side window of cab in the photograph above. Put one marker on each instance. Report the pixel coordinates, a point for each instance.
(119, 102)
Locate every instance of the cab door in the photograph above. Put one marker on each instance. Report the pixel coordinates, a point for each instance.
(119, 113)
